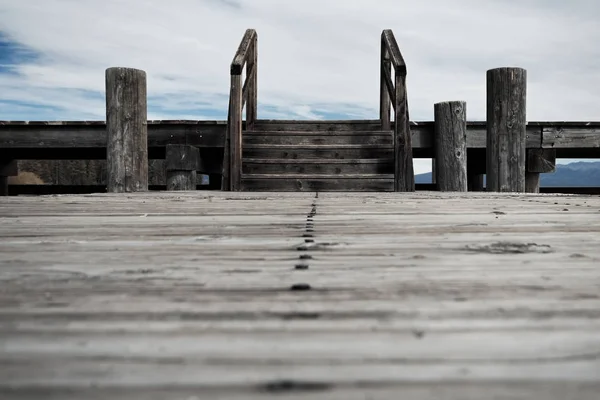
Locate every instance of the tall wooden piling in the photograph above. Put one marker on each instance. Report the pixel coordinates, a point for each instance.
(127, 130)
(181, 166)
(506, 124)
(450, 132)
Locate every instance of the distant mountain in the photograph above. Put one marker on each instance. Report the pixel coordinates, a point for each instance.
(575, 174)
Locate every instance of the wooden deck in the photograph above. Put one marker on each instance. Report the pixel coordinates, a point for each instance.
(214, 295)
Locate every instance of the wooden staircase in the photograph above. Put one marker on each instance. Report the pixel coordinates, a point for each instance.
(346, 155)
(317, 156)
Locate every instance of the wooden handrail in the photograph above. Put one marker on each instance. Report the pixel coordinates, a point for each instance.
(240, 96)
(392, 93)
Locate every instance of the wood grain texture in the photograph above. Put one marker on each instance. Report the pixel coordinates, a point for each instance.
(319, 166)
(541, 160)
(506, 129)
(181, 157)
(181, 179)
(451, 146)
(571, 136)
(172, 295)
(318, 138)
(318, 182)
(404, 175)
(319, 152)
(46, 139)
(234, 128)
(244, 50)
(532, 182)
(126, 130)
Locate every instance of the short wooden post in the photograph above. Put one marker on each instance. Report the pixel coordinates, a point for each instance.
(506, 124)
(7, 168)
(181, 166)
(538, 161)
(127, 130)
(450, 127)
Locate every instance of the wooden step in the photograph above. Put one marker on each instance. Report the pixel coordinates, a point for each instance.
(301, 138)
(322, 183)
(327, 152)
(318, 166)
(323, 126)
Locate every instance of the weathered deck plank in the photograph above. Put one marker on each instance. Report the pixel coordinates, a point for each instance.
(431, 295)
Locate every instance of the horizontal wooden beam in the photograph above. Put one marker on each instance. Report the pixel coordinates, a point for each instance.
(571, 139)
(93, 135)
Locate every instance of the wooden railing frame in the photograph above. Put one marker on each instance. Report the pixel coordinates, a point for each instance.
(240, 96)
(393, 95)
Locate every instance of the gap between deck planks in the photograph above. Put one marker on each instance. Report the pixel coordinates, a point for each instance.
(426, 294)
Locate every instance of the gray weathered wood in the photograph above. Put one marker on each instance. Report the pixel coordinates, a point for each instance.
(48, 135)
(182, 157)
(240, 94)
(93, 135)
(541, 160)
(187, 295)
(532, 182)
(235, 132)
(394, 94)
(506, 129)
(538, 161)
(385, 101)
(451, 146)
(317, 183)
(181, 164)
(319, 166)
(404, 175)
(319, 152)
(126, 130)
(572, 135)
(252, 78)
(318, 125)
(226, 164)
(303, 139)
(181, 180)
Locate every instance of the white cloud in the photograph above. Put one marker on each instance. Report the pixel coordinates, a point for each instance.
(314, 56)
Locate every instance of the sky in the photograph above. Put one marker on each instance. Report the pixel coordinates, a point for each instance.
(318, 59)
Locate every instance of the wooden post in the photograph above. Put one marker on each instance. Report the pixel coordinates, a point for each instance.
(235, 133)
(450, 129)
(181, 164)
(127, 130)
(7, 168)
(506, 123)
(384, 96)
(404, 169)
(252, 82)
(538, 161)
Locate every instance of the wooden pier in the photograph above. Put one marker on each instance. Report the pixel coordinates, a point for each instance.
(231, 295)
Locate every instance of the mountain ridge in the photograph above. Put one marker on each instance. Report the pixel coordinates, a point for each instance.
(575, 174)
